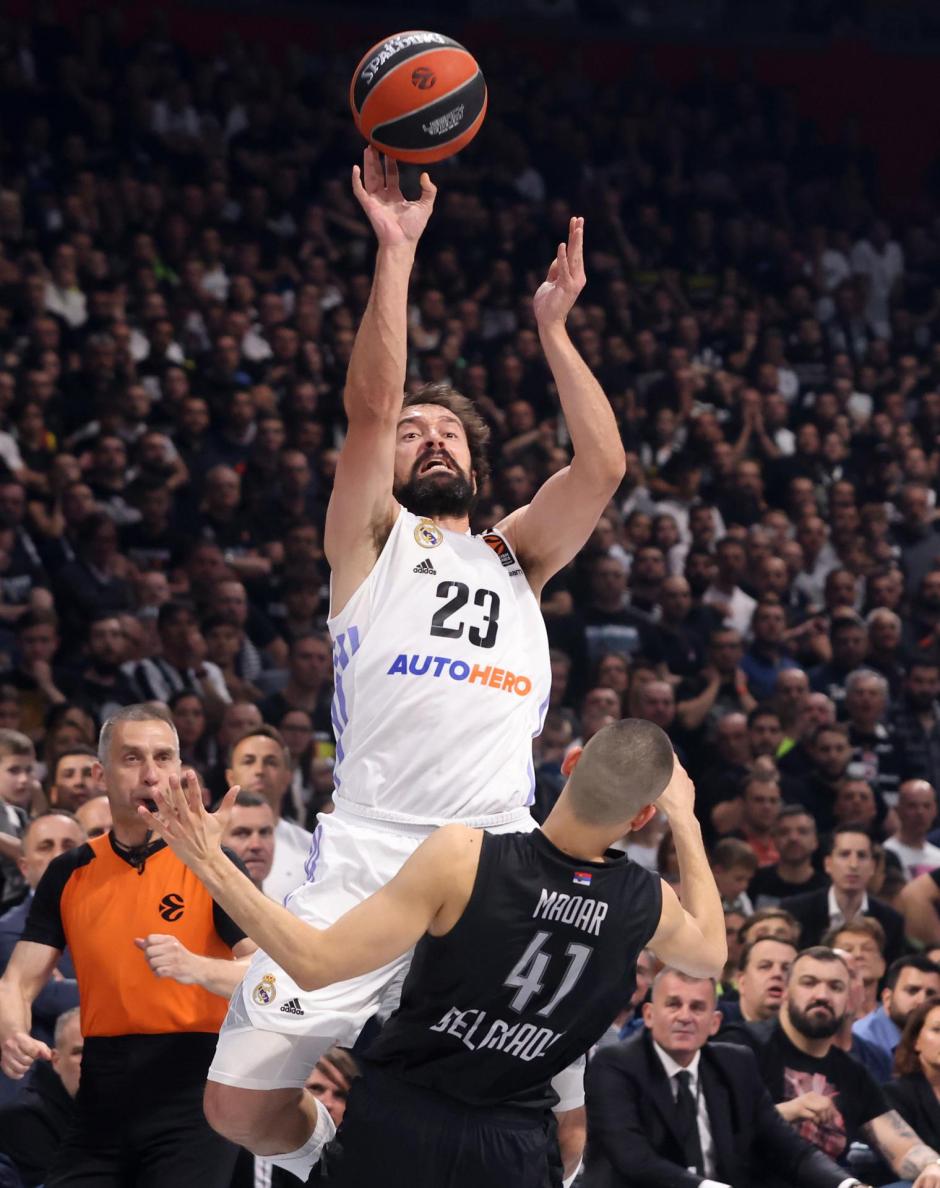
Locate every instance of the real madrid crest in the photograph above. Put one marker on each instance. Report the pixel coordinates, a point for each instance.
(427, 534)
(265, 992)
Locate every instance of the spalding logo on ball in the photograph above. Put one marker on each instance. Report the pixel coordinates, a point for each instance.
(418, 97)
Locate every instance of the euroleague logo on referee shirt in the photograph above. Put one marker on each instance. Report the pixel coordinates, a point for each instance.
(171, 907)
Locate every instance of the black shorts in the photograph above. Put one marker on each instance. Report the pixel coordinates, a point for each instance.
(399, 1135)
(138, 1120)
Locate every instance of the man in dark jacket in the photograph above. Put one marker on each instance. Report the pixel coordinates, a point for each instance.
(850, 865)
(666, 1109)
(46, 837)
(32, 1126)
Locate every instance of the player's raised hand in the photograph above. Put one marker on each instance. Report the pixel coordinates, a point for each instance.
(678, 799)
(557, 294)
(394, 219)
(193, 835)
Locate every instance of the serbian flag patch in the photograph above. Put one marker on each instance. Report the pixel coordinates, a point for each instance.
(583, 878)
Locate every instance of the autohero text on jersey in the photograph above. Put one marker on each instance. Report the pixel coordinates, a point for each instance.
(526, 1041)
(458, 670)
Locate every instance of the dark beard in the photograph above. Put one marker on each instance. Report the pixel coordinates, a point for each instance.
(433, 497)
(813, 1028)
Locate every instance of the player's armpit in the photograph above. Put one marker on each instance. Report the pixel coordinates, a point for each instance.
(429, 893)
(679, 942)
(362, 509)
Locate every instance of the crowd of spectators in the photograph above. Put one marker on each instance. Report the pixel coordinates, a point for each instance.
(182, 269)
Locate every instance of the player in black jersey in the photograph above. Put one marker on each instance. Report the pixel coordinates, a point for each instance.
(526, 945)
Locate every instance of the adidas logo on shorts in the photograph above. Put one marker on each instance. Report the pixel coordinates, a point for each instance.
(292, 1007)
(425, 567)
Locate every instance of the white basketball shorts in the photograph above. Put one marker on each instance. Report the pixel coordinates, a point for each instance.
(275, 1032)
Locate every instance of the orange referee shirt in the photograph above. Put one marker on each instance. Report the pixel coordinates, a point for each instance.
(96, 899)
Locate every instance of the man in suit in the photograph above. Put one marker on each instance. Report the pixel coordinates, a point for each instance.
(666, 1109)
(850, 865)
(46, 836)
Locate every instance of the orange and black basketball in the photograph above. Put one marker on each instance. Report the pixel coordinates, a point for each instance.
(418, 97)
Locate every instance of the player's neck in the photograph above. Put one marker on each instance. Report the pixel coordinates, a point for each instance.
(573, 837)
(452, 523)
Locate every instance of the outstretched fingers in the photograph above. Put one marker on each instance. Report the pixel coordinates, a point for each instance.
(358, 188)
(428, 190)
(564, 269)
(227, 804)
(154, 822)
(192, 791)
(391, 174)
(172, 803)
(373, 173)
(576, 246)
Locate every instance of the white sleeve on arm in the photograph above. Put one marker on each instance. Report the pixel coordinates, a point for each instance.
(715, 1184)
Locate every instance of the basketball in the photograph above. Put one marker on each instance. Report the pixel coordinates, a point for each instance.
(418, 97)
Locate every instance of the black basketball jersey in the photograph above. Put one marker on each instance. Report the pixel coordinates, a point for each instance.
(531, 975)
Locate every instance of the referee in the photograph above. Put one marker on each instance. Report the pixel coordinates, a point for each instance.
(148, 1042)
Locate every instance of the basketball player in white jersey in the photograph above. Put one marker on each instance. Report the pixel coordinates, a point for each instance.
(440, 653)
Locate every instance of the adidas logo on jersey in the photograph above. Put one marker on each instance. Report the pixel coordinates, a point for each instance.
(425, 567)
(292, 1007)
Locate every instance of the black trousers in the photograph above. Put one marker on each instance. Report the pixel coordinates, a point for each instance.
(397, 1135)
(138, 1118)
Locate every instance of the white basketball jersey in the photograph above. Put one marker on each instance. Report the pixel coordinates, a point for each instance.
(442, 679)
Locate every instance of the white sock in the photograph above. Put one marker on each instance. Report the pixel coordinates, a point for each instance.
(301, 1161)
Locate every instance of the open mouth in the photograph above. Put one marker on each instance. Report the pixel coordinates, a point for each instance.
(435, 465)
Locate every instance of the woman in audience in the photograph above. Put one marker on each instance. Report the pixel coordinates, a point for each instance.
(198, 748)
(915, 1094)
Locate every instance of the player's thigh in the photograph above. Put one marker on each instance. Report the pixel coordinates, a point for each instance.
(278, 1048)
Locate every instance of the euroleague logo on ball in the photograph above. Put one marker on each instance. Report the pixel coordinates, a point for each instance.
(423, 77)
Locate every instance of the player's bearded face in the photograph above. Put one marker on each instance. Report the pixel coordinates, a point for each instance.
(436, 486)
